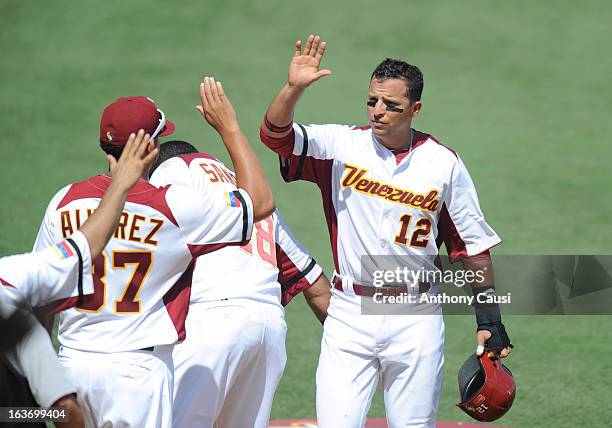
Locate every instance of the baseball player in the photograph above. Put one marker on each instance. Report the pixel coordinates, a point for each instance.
(117, 343)
(390, 190)
(227, 375)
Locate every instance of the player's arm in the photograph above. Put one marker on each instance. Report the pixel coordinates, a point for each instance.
(304, 69)
(69, 403)
(299, 272)
(318, 296)
(34, 358)
(468, 238)
(490, 331)
(47, 320)
(45, 238)
(219, 113)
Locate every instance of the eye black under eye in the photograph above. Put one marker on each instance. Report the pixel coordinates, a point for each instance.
(394, 108)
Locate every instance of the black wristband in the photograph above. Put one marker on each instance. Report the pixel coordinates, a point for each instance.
(276, 128)
(488, 317)
(486, 313)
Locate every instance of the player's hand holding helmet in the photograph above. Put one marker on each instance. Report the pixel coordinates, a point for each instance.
(486, 386)
(304, 67)
(490, 331)
(217, 108)
(494, 336)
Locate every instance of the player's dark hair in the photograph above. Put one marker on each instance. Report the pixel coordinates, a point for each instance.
(109, 149)
(398, 69)
(171, 149)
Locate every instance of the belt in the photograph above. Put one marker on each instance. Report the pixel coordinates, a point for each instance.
(370, 291)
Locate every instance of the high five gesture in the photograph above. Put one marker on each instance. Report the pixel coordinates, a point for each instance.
(304, 69)
(305, 65)
(218, 111)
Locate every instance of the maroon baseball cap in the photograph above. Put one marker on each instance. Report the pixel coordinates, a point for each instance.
(128, 115)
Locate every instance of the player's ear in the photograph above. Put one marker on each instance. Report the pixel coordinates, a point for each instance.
(415, 108)
(112, 162)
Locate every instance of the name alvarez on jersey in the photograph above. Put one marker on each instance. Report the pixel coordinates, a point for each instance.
(131, 227)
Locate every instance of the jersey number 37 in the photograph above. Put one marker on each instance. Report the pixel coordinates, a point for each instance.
(128, 303)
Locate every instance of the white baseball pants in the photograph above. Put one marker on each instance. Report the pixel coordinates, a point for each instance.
(403, 354)
(123, 389)
(228, 368)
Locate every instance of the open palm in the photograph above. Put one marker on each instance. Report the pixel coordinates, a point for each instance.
(305, 66)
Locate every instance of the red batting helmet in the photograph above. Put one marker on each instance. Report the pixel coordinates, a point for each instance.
(487, 388)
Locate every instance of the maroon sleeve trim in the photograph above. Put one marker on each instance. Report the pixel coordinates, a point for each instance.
(290, 282)
(283, 146)
(483, 256)
(291, 279)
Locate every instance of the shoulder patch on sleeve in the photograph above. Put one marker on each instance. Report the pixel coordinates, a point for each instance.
(63, 250)
(232, 199)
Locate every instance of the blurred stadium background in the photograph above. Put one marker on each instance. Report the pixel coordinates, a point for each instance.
(520, 89)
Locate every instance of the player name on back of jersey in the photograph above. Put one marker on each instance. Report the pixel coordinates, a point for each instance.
(356, 179)
(132, 227)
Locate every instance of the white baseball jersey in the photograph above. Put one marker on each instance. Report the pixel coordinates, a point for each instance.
(142, 279)
(380, 203)
(272, 267)
(377, 204)
(59, 272)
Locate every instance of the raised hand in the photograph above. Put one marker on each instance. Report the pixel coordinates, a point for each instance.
(138, 155)
(305, 65)
(220, 114)
(217, 108)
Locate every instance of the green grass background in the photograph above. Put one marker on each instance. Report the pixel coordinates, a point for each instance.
(520, 89)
